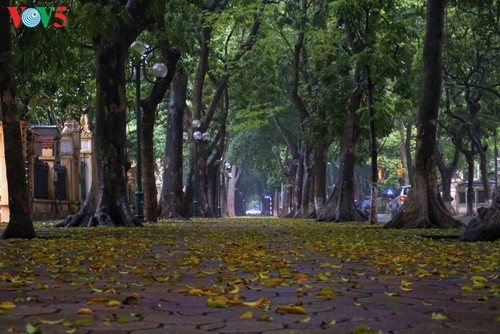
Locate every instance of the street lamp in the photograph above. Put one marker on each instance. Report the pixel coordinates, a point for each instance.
(197, 137)
(137, 73)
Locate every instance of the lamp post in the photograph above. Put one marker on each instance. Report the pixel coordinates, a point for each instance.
(138, 72)
(197, 137)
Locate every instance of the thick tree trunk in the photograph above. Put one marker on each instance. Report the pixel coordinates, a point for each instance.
(110, 205)
(20, 224)
(298, 184)
(307, 183)
(447, 172)
(486, 226)
(149, 106)
(424, 208)
(107, 203)
(340, 206)
(231, 190)
(469, 157)
(320, 179)
(149, 163)
(171, 205)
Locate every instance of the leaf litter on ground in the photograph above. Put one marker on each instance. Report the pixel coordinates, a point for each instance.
(239, 263)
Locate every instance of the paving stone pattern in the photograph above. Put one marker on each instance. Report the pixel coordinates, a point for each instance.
(363, 298)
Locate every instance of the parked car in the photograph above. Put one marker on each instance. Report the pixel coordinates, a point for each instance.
(400, 197)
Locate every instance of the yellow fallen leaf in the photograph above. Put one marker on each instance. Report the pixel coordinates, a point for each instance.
(31, 329)
(113, 303)
(85, 311)
(325, 293)
(98, 300)
(363, 329)
(479, 279)
(405, 289)
(246, 315)
(406, 282)
(292, 309)
(328, 324)
(7, 304)
(218, 302)
(160, 279)
(266, 317)
(272, 282)
(439, 316)
(258, 302)
(301, 277)
(392, 294)
(303, 321)
(466, 288)
(196, 292)
(94, 288)
(51, 322)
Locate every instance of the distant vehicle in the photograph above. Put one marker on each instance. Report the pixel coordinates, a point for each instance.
(365, 206)
(253, 212)
(400, 197)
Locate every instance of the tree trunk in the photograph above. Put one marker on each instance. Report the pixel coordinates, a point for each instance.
(409, 158)
(149, 106)
(110, 207)
(107, 203)
(469, 157)
(340, 206)
(425, 208)
(447, 172)
(305, 209)
(20, 224)
(171, 203)
(372, 217)
(149, 163)
(298, 184)
(320, 179)
(403, 179)
(231, 190)
(486, 226)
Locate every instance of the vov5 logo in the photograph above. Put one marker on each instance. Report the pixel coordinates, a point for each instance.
(31, 17)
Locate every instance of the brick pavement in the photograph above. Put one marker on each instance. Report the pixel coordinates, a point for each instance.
(161, 300)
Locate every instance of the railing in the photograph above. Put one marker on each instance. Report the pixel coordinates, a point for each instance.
(60, 181)
(41, 179)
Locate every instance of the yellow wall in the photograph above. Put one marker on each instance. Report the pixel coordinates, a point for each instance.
(4, 191)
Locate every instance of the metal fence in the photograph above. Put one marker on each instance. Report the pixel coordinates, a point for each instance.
(60, 181)
(41, 179)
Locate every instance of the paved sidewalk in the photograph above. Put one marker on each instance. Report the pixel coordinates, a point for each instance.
(252, 276)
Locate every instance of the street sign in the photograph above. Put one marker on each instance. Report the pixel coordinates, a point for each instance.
(389, 192)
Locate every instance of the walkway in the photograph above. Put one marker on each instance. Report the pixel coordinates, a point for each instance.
(248, 276)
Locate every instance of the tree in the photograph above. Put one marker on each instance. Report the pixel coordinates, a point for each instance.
(486, 226)
(425, 208)
(20, 224)
(238, 39)
(171, 194)
(174, 140)
(340, 205)
(107, 203)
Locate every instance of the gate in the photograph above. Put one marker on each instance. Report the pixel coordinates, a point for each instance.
(41, 179)
(60, 181)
